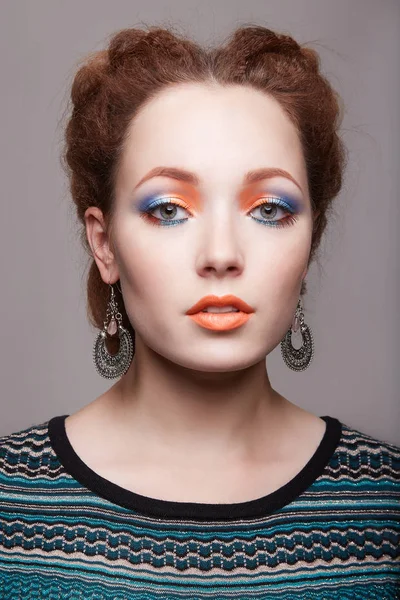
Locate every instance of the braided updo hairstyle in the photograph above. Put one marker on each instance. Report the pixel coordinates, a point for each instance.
(112, 85)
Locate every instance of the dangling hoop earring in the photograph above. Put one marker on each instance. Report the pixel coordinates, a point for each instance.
(113, 365)
(298, 359)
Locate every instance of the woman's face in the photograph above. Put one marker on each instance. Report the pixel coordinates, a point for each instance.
(211, 236)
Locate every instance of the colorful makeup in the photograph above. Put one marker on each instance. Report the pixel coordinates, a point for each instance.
(248, 197)
(171, 204)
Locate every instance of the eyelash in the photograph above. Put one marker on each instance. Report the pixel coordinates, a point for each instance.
(287, 221)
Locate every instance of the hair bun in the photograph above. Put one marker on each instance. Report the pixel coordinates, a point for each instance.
(123, 47)
(255, 40)
(89, 78)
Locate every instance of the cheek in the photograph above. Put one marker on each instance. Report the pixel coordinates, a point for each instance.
(143, 275)
(147, 268)
(284, 270)
(290, 283)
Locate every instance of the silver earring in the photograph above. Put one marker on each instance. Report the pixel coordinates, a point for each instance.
(298, 359)
(113, 365)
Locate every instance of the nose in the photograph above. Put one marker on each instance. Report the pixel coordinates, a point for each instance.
(220, 250)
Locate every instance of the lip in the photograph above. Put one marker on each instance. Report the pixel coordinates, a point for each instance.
(228, 300)
(220, 321)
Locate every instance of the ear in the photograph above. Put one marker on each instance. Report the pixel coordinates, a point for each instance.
(100, 244)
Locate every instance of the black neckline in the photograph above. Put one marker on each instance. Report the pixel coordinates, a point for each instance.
(155, 507)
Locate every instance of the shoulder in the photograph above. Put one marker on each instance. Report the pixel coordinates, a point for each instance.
(355, 438)
(24, 450)
(366, 455)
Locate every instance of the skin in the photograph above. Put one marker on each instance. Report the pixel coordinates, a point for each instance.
(195, 418)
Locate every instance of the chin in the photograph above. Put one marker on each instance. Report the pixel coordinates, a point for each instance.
(216, 363)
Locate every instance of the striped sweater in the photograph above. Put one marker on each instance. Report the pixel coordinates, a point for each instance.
(332, 532)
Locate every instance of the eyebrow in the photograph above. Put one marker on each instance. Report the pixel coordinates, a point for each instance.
(191, 178)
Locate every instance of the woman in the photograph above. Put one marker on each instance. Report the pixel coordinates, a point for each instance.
(203, 181)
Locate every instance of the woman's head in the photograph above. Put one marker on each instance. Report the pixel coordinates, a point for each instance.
(153, 99)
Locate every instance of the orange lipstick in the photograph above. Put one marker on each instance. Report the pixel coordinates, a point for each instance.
(221, 321)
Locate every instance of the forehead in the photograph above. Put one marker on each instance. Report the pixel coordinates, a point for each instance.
(218, 132)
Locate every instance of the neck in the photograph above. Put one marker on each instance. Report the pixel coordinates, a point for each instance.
(191, 416)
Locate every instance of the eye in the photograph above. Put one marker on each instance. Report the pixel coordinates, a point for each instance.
(167, 210)
(269, 210)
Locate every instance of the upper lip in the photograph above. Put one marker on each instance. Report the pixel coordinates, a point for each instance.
(228, 300)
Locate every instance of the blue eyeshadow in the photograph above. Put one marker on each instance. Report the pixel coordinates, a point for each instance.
(295, 205)
(147, 201)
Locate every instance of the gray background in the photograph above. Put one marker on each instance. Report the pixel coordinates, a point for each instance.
(353, 300)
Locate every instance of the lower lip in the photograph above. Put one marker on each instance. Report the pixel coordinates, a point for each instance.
(220, 321)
